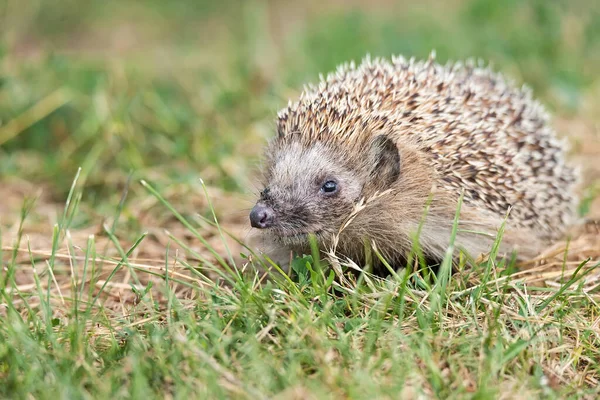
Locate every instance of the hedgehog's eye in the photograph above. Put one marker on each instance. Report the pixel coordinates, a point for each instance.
(329, 187)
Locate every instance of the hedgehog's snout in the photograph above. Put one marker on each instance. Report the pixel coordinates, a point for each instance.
(262, 216)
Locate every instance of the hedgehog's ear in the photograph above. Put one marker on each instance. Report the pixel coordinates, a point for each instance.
(384, 160)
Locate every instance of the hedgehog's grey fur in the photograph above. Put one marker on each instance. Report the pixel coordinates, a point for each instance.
(455, 127)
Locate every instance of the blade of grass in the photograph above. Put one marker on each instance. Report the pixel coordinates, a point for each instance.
(39, 111)
(214, 215)
(569, 283)
(190, 228)
(117, 267)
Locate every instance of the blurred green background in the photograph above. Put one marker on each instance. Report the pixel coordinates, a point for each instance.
(173, 91)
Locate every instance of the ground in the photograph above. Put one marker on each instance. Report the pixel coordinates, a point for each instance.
(127, 129)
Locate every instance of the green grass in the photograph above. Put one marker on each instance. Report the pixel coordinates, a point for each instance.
(473, 334)
(117, 280)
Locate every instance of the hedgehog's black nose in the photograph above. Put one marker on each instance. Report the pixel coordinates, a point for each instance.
(261, 216)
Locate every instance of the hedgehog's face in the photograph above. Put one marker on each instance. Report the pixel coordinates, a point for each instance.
(314, 190)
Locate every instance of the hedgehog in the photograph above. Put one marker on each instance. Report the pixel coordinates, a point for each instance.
(381, 154)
